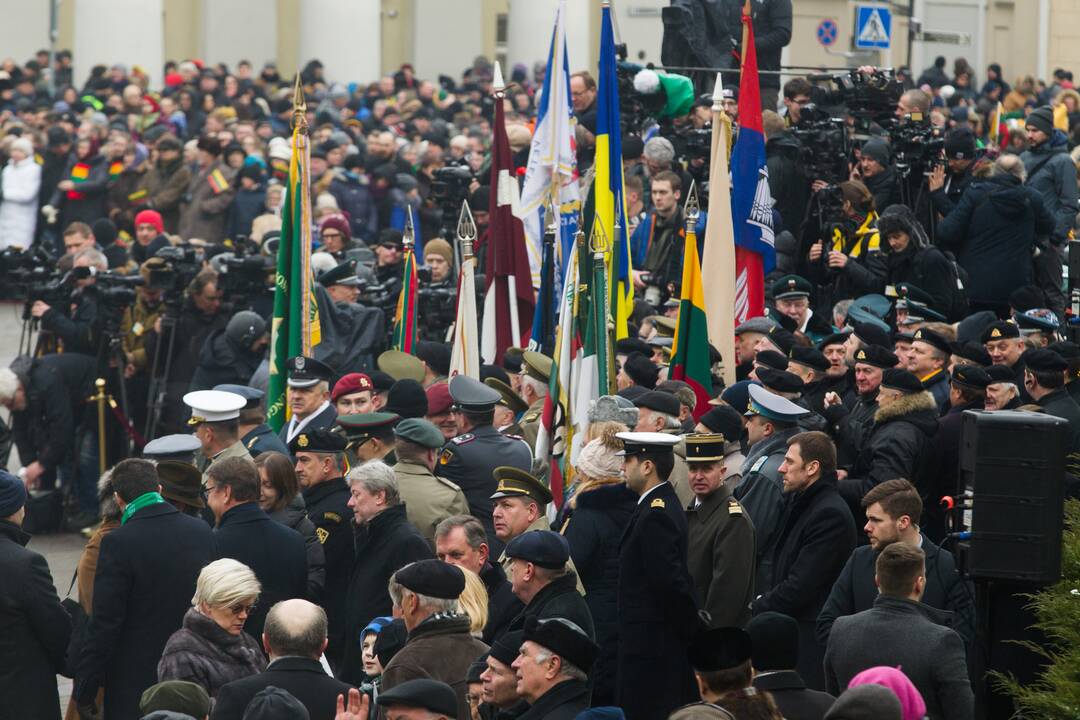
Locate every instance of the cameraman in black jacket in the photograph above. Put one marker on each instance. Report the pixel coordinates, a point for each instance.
(946, 186)
(74, 327)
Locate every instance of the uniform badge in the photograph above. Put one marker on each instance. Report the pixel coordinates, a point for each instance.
(137, 329)
(445, 457)
(995, 333)
(462, 439)
(302, 441)
(733, 507)
(757, 465)
(657, 503)
(861, 355)
(299, 363)
(332, 516)
(252, 441)
(322, 534)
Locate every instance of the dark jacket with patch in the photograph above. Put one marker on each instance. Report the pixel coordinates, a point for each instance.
(383, 546)
(721, 558)
(328, 509)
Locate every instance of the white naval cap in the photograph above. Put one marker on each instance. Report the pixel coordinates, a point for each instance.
(213, 406)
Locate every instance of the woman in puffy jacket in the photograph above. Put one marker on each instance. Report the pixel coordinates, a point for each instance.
(21, 181)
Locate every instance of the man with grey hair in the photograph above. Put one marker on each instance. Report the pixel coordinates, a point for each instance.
(553, 668)
(385, 541)
(74, 325)
(425, 595)
(294, 637)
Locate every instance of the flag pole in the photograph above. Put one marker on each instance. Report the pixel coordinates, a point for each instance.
(498, 86)
(465, 356)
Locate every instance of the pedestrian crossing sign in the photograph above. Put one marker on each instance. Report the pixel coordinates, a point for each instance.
(873, 27)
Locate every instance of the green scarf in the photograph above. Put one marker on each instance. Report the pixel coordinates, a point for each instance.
(150, 498)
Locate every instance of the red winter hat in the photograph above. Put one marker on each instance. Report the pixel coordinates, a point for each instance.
(338, 222)
(150, 217)
(351, 383)
(438, 398)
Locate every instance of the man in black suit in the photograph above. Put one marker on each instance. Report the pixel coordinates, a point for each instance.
(308, 398)
(658, 615)
(244, 532)
(294, 637)
(774, 638)
(145, 579)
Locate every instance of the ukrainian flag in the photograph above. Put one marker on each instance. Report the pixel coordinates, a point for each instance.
(608, 184)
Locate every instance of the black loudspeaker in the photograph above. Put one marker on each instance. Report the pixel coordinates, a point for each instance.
(1012, 467)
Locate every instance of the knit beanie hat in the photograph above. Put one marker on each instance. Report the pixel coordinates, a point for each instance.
(1042, 118)
(877, 149)
(12, 494)
(438, 246)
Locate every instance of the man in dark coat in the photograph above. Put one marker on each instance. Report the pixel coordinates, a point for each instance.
(992, 232)
(1044, 378)
(721, 537)
(905, 421)
(553, 669)
(385, 542)
(326, 500)
(145, 579)
(277, 554)
(294, 637)
(947, 186)
(657, 611)
(34, 627)
(818, 533)
(774, 639)
(468, 459)
(891, 511)
(439, 646)
(460, 540)
(907, 256)
(901, 631)
(541, 580)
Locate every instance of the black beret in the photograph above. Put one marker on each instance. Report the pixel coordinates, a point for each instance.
(970, 376)
(774, 640)
(781, 339)
(772, 359)
(901, 380)
(1066, 349)
(381, 381)
(720, 648)
(632, 345)
(478, 667)
(1000, 330)
(407, 399)
(837, 338)
(972, 351)
(780, 380)
(432, 695)
(877, 356)
(1042, 360)
(725, 420)
(317, 441)
(433, 578)
(544, 548)
(936, 340)
(810, 357)
(507, 647)
(435, 354)
(641, 370)
(660, 402)
(1001, 374)
(871, 334)
(563, 638)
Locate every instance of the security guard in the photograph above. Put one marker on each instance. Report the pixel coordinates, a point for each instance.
(308, 397)
(468, 459)
(771, 421)
(255, 434)
(508, 409)
(428, 499)
(369, 436)
(535, 376)
(213, 418)
(721, 556)
(657, 610)
(318, 456)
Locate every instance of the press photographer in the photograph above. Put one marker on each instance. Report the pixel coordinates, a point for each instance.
(74, 328)
(657, 244)
(136, 324)
(842, 236)
(948, 181)
(437, 294)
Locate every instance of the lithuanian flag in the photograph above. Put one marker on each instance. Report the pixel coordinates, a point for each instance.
(295, 329)
(690, 357)
(217, 181)
(115, 168)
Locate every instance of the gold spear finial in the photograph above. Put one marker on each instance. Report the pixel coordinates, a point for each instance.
(299, 106)
(408, 235)
(466, 230)
(598, 240)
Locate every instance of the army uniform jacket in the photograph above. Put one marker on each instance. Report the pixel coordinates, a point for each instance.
(262, 439)
(237, 449)
(328, 509)
(530, 422)
(428, 499)
(721, 558)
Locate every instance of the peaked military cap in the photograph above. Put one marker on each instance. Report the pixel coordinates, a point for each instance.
(640, 443)
(665, 326)
(540, 547)
(877, 356)
(343, 274)
(912, 293)
(180, 446)
(317, 441)
(471, 394)
(1034, 321)
(918, 312)
(515, 482)
(306, 372)
(536, 365)
(253, 396)
(509, 399)
(400, 365)
(791, 286)
(703, 447)
(772, 406)
(361, 425)
(213, 406)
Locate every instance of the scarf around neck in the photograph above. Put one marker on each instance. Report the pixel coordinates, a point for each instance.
(144, 500)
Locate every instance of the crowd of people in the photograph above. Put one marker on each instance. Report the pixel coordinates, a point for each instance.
(397, 548)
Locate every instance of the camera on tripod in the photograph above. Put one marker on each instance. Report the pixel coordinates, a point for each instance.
(182, 264)
(916, 144)
(113, 290)
(823, 144)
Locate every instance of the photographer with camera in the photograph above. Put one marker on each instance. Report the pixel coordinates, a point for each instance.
(136, 325)
(437, 295)
(75, 327)
(657, 244)
(843, 230)
(788, 182)
(876, 172)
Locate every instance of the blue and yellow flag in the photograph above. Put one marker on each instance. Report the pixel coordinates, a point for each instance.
(608, 184)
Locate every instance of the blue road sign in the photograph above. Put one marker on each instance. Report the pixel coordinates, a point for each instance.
(873, 27)
(827, 32)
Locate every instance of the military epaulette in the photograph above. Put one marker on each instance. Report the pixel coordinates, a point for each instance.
(733, 507)
(252, 441)
(463, 439)
(531, 417)
(760, 461)
(447, 483)
(657, 503)
(333, 516)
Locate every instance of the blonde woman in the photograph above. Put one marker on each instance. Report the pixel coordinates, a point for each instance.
(212, 649)
(474, 602)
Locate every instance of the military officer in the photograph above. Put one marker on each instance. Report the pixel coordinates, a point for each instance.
(370, 436)
(535, 376)
(214, 419)
(308, 397)
(657, 609)
(721, 558)
(255, 434)
(509, 408)
(791, 296)
(319, 455)
(469, 458)
(428, 499)
(771, 421)
(173, 447)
